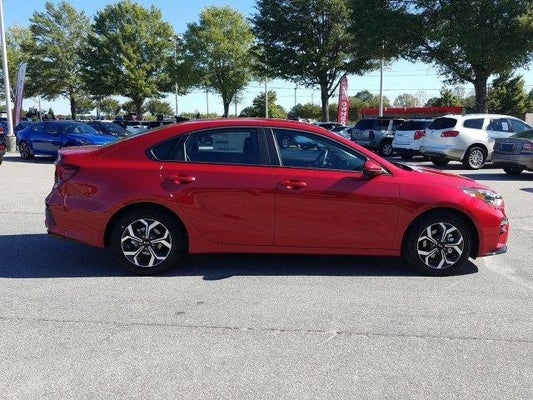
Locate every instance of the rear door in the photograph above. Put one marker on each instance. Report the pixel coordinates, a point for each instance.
(222, 180)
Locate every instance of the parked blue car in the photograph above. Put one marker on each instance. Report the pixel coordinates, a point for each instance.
(47, 137)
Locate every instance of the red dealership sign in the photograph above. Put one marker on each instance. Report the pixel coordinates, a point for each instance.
(344, 102)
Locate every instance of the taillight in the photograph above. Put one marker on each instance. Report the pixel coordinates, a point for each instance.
(527, 148)
(449, 134)
(419, 135)
(65, 172)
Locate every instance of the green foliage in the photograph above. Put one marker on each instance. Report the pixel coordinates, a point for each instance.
(128, 53)
(308, 43)
(258, 107)
(508, 95)
(307, 111)
(363, 99)
(158, 107)
(110, 107)
(405, 100)
(53, 58)
(16, 37)
(470, 41)
(85, 105)
(218, 49)
(447, 99)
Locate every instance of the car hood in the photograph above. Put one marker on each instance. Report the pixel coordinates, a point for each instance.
(431, 176)
(94, 138)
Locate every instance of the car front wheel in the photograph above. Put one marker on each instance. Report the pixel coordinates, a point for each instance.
(25, 151)
(438, 244)
(148, 241)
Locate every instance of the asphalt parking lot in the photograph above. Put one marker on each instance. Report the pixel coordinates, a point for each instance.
(75, 325)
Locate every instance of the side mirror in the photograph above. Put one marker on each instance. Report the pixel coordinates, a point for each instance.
(372, 169)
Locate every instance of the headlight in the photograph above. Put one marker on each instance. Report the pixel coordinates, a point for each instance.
(488, 196)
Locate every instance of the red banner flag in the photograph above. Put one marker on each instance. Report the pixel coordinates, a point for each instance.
(344, 102)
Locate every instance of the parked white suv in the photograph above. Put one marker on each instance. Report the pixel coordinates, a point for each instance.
(407, 137)
(467, 138)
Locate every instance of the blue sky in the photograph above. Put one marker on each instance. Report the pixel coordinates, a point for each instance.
(399, 77)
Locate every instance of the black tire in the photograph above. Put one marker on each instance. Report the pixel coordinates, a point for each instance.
(438, 244)
(406, 156)
(161, 250)
(513, 170)
(439, 161)
(475, 158)
(385, 148)
(25, 151)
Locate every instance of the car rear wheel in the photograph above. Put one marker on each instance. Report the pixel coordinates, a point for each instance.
(438, 244)
(439, 161)
(475, 158)
(148, 241)
(25, 151)
(513, 170)
(385, 148)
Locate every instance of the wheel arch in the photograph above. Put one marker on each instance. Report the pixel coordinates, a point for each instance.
(471, 225)
(482, 146)
(137, 206)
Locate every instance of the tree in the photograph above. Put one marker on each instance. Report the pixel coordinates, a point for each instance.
(16, 38)
(85, 105)
(508, 95)
(446, 99)
(109, 107)
(53, 59)
(405, 100)
(129, 53)
(158, 107)
(307, 111)
(308, 43)
(219, 49)
(258, 107)
(470, 41)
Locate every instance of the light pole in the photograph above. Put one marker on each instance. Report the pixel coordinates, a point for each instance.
(6, 73)
(177, 40)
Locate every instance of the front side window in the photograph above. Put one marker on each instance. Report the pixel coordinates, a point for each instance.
(499, 125)
(519, 126)
(309, 150)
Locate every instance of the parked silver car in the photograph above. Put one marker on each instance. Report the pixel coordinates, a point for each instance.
(467, 138)
(514, 154)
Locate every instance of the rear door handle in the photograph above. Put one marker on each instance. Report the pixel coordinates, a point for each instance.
(293, 184)
(180, 179)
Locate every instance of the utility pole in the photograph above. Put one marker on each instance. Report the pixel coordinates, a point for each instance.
(6, 73)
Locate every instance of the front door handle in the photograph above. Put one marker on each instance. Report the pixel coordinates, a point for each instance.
(293, 184)
(180, 179)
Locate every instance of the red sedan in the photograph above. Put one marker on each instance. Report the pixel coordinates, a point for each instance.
(227, 186)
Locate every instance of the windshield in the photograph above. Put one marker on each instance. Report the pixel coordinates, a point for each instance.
(76, 128)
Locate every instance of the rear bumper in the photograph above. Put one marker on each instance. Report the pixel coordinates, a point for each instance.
(452, 153)
(503, 160)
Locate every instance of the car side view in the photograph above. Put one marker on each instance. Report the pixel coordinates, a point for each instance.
(47, 137)
(467, 138)
(230, 186)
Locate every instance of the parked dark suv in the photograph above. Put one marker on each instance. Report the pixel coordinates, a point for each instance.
(376, 134)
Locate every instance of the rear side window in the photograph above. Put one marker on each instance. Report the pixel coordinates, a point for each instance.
(474, 123)
(414, 125)
(364, 124)
(443, 123)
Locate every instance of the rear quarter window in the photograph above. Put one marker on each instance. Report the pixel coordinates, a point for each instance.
(474, 123)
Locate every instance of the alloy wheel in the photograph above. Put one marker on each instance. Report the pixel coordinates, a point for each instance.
(440, 245)
(146, 242)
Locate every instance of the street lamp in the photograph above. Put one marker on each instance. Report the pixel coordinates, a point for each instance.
(177, 40)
